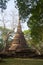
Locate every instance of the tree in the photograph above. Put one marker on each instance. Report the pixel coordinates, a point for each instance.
(36, 23)
(26, 7)
(13, 21)
(35, 20)
(1, 45)
(3, 5)
(6, 37)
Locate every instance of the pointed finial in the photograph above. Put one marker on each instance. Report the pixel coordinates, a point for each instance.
(19, 26)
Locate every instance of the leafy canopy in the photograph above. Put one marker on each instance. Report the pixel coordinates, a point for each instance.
(35, 21)
(3, 4)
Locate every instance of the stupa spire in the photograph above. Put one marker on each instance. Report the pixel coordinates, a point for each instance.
(19, 42)
(19, 29)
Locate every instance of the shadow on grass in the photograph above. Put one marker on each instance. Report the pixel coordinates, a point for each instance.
(2, 60)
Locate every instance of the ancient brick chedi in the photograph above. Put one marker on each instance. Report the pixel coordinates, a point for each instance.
(19, 42)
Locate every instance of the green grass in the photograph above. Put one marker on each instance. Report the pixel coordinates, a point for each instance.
(18, 61)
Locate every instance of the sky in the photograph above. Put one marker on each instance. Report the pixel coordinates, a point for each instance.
(8, 13)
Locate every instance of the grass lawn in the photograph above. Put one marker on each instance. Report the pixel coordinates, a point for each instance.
(21, 61)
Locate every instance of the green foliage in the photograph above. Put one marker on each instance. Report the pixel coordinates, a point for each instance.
(4, 32)
(35, 22)
(26, 7)
(23, 8)
(2, 29)
(3, 4)
(27, 32)
(28, 37)
(1, 44)
(6, 37)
